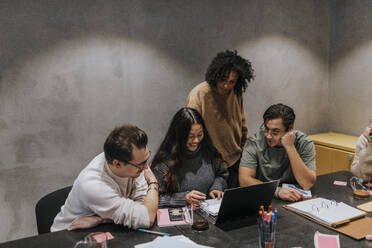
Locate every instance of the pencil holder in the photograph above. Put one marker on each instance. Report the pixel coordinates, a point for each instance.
(267, 234)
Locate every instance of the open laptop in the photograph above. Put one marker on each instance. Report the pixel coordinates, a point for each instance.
(244, 201)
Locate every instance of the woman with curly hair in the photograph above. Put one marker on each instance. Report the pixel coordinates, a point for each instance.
(220, 102)
(187, 165)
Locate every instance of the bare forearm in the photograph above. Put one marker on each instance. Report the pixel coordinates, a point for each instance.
(304, 176)
(247, 181)
(151, 203)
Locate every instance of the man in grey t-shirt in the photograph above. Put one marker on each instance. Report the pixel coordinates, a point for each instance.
(279, 152)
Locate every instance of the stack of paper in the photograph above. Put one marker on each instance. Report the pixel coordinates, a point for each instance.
(211, 206)
(179, 241)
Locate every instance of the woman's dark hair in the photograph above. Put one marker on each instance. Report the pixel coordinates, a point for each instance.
(172, 150)
(119, 143)
(280, 111)
(226, 62)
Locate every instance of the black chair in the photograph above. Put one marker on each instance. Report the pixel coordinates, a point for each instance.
(48, 207)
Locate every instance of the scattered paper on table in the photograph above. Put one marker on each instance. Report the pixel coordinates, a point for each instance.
(179, 241)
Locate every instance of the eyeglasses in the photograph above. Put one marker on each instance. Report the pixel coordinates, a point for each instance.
(142, 165)
(273, 132)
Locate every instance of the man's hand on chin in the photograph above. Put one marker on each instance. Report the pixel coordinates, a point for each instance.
(288, 139)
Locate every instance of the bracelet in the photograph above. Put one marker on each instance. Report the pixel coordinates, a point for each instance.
(153, 183)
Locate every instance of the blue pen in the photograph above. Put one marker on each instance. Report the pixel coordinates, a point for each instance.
(153, 232)
(273, 218)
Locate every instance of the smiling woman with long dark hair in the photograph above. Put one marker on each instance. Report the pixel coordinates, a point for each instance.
(187, 165)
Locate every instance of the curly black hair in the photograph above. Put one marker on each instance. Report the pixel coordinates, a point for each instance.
(226, 62)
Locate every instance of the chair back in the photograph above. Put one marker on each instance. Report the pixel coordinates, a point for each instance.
(48, 207)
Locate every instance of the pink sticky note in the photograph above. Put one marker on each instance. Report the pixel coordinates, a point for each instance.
(109, 236)
(340, 183)
(100, 237)
(327, 242)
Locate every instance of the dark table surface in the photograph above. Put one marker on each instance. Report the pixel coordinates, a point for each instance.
(293, 230)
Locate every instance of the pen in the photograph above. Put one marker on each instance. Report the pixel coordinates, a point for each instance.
(153, 232)
(262, 208)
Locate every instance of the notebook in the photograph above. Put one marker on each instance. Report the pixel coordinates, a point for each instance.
(162, 216)
(240, 202)
(326, 211)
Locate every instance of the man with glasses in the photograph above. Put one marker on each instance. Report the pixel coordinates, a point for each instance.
(116, 186)
(278, 151)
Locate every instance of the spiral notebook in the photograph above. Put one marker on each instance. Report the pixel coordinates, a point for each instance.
(354, 224)
(328, 212)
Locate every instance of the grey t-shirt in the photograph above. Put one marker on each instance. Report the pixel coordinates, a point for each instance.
(272, 163)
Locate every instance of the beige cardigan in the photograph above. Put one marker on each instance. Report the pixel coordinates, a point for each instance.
(224, 118)
(362, 163)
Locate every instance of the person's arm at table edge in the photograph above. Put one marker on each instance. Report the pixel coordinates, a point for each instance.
(152, 197)
(304, 176)
(247, 176)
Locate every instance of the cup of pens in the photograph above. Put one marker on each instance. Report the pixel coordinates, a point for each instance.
(267, 221)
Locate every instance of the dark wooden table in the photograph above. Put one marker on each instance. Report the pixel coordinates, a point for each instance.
(293, 230)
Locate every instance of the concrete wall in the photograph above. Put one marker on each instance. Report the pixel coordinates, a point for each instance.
(350, 84)
(72, 70)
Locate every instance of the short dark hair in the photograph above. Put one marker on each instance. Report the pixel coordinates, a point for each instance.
(119, 143)
(226, 62)
(280, 111)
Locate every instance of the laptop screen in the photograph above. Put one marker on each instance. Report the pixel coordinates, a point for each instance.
(244, 201)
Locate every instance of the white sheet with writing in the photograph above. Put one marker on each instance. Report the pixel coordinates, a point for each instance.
(326, 211)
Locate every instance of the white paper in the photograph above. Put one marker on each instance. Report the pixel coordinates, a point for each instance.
(213, 206)
(326, 211)
(179, 241)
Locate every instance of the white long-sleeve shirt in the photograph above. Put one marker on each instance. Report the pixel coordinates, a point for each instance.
(361, 145)
(98, 191)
